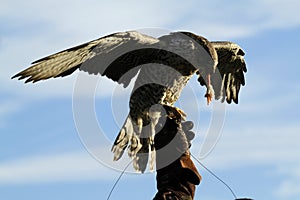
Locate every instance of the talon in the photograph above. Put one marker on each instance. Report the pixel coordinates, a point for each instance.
(181, 112)
(208, 98)
(209, 91)
(174, 112)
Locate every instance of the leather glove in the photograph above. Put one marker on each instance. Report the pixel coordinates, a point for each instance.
(176, 173)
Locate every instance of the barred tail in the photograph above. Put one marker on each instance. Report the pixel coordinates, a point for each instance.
(147, 151)
(126, 135)
(140, 143)
(138, 137)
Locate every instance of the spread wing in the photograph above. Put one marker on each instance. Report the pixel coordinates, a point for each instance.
(229, 77)
(99, 56)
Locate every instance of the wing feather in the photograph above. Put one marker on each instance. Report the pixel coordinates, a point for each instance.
(119, 56)
(229, 77)
(94, 57)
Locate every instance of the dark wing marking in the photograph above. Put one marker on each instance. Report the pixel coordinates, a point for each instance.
(94, 57)
(229, 77)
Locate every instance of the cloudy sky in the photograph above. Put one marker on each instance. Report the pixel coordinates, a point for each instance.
(45, 154)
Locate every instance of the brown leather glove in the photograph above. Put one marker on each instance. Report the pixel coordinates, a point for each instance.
(176, 173)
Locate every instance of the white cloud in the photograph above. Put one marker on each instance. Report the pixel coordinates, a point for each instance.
(288, 189)
(289, 186)
(275, 146)
(232, 20)
(280, 14)
(7, 108)
(72, 166)
(255, 145)
(214, 19)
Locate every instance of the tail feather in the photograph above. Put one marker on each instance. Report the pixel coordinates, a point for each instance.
(140, 160)
(146, 153)
(126, 135)
(139, 139)
(152, 155)
(120, 144)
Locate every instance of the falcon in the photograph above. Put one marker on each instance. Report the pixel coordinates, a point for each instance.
(162, 67)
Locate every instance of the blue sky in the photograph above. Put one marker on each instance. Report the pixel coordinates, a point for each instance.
(41, 154)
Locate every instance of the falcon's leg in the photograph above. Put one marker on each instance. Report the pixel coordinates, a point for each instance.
(178, 113)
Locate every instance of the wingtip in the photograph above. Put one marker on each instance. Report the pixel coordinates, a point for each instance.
(16, 76)
(29, 80)
(228, 100)
(236, 101)
(20, 77)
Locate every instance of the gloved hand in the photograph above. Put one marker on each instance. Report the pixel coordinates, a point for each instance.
(176, 173)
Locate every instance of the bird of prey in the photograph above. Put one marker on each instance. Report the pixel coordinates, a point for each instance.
(163, 67)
